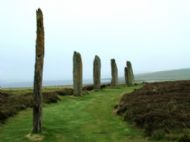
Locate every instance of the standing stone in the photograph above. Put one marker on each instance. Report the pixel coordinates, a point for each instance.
(77, 74)
(114, 73)
(125, 74)
(38, 77)
(130, 75)
(97, 72)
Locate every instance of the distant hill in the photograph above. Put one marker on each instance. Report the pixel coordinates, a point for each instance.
(179, 74)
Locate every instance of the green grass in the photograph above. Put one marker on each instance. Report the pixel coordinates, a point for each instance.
(89, 118)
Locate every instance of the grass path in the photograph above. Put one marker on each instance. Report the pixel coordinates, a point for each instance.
(76, 119)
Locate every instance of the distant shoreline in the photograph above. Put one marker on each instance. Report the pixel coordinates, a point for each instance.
(172, 75)
(60, 83)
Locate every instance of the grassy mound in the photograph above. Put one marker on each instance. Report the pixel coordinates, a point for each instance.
(14, 100)
(158, 108)
(11, 104)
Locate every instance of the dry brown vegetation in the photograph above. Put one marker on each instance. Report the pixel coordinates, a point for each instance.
(12, 101)
(159, 108)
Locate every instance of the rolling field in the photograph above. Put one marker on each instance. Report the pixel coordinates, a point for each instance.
(171, 75)
(89, 118)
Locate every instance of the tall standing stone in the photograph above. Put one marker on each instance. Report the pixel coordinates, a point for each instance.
(38, 77)
(97, 72)
(77, 74)
(130, 75)
(114, 73)
(125, 74)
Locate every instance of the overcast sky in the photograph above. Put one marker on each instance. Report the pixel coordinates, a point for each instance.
(153, 34)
